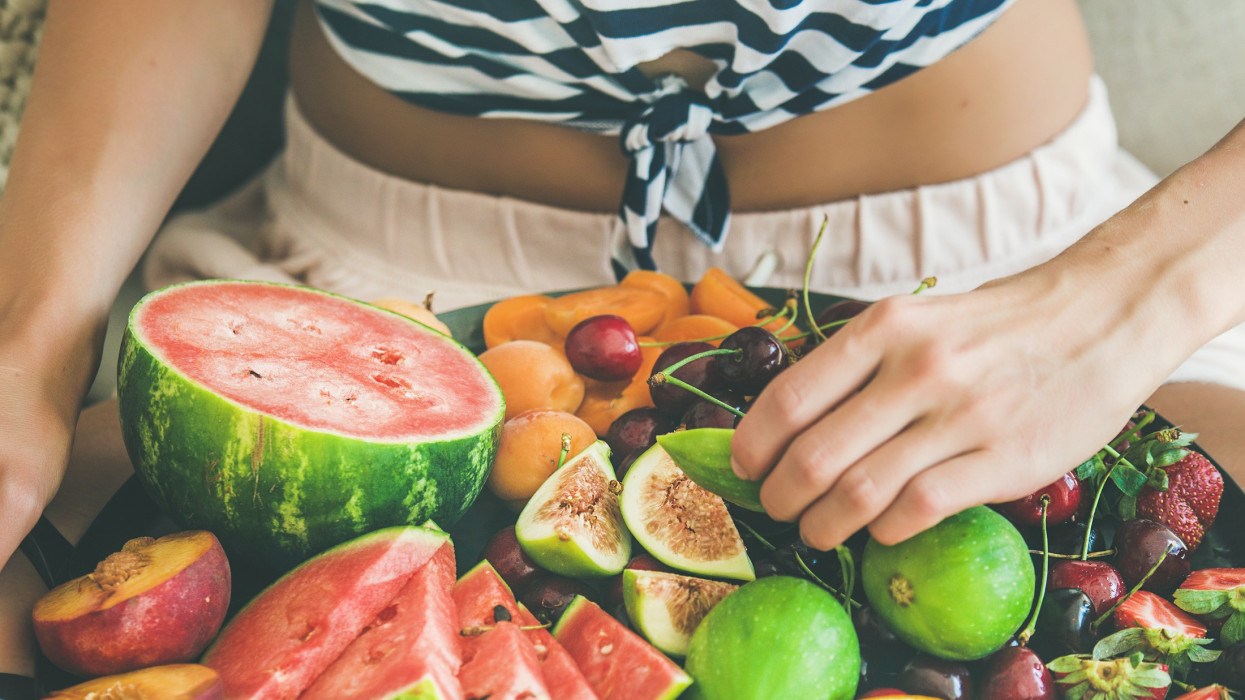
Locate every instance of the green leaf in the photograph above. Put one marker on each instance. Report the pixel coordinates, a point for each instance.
(1202, 655)
(1128, 479)
(1153, 677)
(1234, 629)
(1122, 643)
(1092, 469)
(1168, 457)
(1201, 602)
(1128, 508)
(1157, 480)
(1067, 664)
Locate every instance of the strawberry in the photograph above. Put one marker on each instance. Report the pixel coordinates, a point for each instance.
(1082, 677)
(1183, 496)
(1210, 692)
(1151, 625)
(1218, 596)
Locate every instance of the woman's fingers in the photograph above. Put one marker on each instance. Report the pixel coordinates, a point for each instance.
(939, 492)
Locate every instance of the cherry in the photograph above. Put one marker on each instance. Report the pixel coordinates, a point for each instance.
(621, 469)
(1065, 498)
(1100, 581)
(604, 348)
(766, 566)
(840, 311)
(706, 414)
(636, 429)
(1016, 673)
(762, 356)
(1064, 624)
(701, 373)
(514, 566)
(939, 678)
(1069, 538)
(871, 630)
(547, 596)
(1229, 668)
(1138, 545)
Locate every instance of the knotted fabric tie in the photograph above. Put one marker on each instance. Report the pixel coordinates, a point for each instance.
(674, 164)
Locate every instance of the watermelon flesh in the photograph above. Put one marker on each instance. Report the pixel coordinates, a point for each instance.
(287, 420)
(477, 595)
(290, 633)
(500, 664)
(411, 649)
(617, 662)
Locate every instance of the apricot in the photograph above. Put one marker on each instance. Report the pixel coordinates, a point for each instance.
(677, 302)
(528, 450)
(157, 601)
(413, 311)
(533, 375)
(719, 294)
(604, 402)
(642, 308)
(169, 682)
(519, 318)
(695, 327)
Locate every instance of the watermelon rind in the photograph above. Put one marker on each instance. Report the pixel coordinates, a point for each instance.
(593, 542)
(275, 492)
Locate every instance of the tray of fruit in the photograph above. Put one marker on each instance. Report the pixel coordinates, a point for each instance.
(593, 544)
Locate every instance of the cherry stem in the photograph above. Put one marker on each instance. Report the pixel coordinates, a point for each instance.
(927, 283)
(566, 448)
(1093, 509)
(787, 311)
(1092, 555)
(666, 376)
(847, 600)
(1029, 628)
(752, 531)
(808, 272)
(1093, 626)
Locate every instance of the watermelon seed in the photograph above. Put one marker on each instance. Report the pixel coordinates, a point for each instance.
(388, 356)
(501, 614)
(607, 648)
(387, 614)
(255, 374)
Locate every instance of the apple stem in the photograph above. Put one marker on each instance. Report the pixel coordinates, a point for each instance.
(808, 272)
(1029, 628)
(1093, 626)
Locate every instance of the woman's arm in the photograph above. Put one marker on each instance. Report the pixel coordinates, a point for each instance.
(923, 406)
(126, 98)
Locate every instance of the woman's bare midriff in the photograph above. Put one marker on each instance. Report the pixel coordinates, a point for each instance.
(1006, 92)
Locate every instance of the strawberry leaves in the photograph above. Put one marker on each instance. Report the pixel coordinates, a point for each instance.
(1087, 678)
(1219, 595)
(1175, 650)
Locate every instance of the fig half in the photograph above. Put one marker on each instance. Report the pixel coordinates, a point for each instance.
(666, 607)
(572, 525)
(679, 522)
(704, 454)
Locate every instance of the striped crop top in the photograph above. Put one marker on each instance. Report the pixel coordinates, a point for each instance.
(575, 62)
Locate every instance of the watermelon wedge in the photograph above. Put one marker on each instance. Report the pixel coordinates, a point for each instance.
(617, 662)
(287, 420)
(411, 650)
(479, 593)
(500, 664)
(289, 634)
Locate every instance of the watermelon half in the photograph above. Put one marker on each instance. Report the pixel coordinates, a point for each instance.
(286, 420)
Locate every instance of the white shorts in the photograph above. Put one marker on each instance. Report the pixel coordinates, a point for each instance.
(318, 217)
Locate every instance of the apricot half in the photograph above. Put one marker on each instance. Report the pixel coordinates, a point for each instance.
(157, 601)
(172, 682)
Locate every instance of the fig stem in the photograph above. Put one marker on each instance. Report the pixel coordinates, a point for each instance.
(1027, 631)
(566, 448)
(927, 283)
(1093, 626)
(808, 272)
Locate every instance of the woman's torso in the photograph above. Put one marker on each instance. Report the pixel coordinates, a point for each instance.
(1007, 91)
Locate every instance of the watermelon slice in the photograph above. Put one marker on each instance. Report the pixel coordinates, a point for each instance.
(500, 664)
(478, 594)
(287, 420)
(411, 649)
(289, 633)
(616, 661)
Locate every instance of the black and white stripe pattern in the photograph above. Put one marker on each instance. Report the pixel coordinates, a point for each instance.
(574, 62)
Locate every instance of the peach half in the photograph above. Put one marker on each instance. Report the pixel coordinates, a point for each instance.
(157, 601)
(173, 682)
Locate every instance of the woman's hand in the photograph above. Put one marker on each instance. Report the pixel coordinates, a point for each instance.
(924, 405)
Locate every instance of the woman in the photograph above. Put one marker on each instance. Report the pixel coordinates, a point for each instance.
(979, 168)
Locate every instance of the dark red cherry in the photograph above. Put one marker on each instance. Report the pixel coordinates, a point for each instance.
(760, 358)
(1065, 498)
(700, 373)
(1098, 579)
(636, 429)
(939, 678)
(840, 311)
(706, 414)
(547, 596)
(1064, 624)
(1068, 538)
(604, 348)
(1016, 673)
(514, 566)
(1229, 668)
(1138, 545)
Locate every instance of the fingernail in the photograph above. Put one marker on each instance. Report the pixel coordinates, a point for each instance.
(739, 471)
